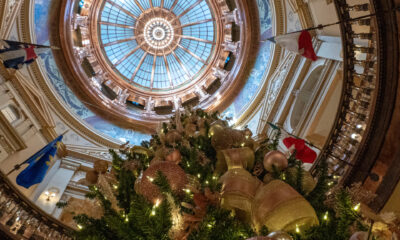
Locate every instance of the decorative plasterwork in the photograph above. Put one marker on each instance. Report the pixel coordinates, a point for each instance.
(88, 153)
(9, 10)
(119, 114)
(278, 28)
(27, 34)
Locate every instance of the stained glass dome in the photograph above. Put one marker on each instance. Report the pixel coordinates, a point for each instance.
(157, 45)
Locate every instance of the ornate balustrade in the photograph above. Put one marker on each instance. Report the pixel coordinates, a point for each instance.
(355, 145)
(21, 219)
(359, 39)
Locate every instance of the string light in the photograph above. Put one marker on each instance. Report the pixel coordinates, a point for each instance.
(297, 229)
(79, 226)
(115, 187)
(153, 212)
(150, 178)
(126, 219)
(325, 216)
(357, 207)
(207, 182)
(199, 175)
(158, 201)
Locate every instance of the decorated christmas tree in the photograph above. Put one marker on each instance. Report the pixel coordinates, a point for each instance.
(198, 178)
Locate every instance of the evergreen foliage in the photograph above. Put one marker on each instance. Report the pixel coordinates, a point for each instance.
(137, 218)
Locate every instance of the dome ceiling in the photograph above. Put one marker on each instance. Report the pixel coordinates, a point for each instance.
(84, 76)
(157, 45)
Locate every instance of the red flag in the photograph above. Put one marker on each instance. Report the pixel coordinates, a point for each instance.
(298, 42)
(303, 152)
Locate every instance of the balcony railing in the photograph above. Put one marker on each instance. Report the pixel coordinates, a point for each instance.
(360, 38)
(21, 219)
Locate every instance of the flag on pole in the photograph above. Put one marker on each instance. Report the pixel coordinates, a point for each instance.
(297, 42)
(38, 164)
(17, 54)
(303, 152)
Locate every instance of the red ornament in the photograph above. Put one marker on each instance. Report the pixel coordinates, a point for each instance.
(303, 152)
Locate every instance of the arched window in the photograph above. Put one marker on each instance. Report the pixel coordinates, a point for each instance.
(11, 113)
(304, 96)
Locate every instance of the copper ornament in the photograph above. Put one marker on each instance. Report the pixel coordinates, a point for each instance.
(275, 158)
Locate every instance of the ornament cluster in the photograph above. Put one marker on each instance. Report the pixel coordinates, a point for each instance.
(208, 166)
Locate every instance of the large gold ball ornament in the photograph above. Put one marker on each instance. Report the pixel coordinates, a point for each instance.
(91, 177)
(175, 157)
(277, 159)
(280, 235)
(100, 166)
(175, 175)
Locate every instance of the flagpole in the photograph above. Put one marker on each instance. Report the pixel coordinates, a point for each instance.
(320, 26)
(18, 166)
(37, 45)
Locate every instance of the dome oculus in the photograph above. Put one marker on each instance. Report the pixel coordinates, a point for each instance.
(157, 45)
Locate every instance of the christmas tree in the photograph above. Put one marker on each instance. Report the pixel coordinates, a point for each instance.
(198, 178)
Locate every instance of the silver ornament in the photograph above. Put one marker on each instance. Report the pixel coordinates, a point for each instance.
(280, 235)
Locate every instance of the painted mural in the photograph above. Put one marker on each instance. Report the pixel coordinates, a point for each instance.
(256, 77)
(42, 10)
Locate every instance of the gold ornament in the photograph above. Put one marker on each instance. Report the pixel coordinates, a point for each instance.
(175, 157)
(359, 236)
(238, 189)
(224, 138)
(142, 150)
(275, 158)
(279, 207)
(76, 206)
(308, 183)
(279, 235)
(175, 175)
(235, 158)
(100, 166)
(190, 129)
(91, 177)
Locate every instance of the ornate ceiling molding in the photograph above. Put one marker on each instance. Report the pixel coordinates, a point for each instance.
(115, 111)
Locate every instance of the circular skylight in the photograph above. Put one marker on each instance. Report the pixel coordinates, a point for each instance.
(157, 45)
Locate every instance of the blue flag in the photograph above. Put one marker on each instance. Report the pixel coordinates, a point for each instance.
(38, 164)
(17, 54)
